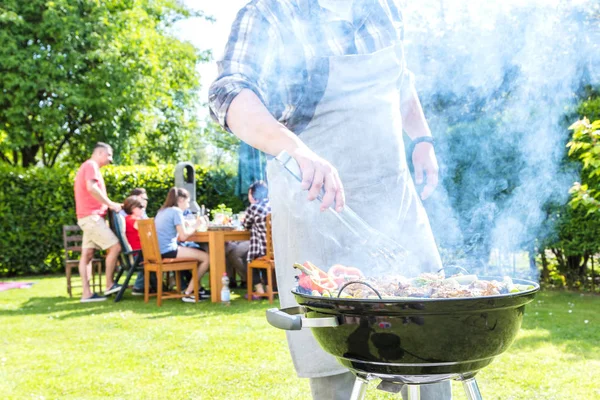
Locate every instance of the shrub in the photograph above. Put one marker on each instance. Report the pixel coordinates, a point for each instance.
(36, 202)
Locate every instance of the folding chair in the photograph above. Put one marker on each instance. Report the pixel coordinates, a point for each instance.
(130, 260)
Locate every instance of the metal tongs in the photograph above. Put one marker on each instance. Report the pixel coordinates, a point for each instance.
(374, 242)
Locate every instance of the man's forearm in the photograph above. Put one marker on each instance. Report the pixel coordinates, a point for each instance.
(99, 195)
(250, 120)
(413, 118)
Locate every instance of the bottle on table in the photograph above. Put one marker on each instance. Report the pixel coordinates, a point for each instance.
(235, 221)
(225, 292)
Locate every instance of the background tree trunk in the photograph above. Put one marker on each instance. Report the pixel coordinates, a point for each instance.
(545, 270)
(28, 155)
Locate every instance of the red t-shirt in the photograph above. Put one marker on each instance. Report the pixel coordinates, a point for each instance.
(85, 203)
(132, 234)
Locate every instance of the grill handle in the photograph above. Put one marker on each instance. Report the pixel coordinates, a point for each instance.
(291, 319)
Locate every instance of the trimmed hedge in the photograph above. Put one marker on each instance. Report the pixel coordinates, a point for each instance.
(36, 202)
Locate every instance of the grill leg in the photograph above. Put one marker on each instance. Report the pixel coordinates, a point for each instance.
(414, 392)
(360, 389)
(471, 389)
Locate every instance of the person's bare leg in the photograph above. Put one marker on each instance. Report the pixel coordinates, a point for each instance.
(84, 260)
(89, 270)
(259, 288)
(199, 255)
(111, 261)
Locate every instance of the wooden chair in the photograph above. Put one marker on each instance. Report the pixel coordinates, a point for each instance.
(130, 260)
(154, 262)
(72, 239)
(266, 262)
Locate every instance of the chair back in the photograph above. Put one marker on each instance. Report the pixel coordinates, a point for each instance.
(149, 241)
(270, 253)
(117, 224)
(72, 240)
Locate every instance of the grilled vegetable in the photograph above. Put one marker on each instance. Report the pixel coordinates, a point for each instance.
(315, 281)
(314, 278)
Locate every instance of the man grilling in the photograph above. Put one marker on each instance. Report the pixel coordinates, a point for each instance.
(326, 81)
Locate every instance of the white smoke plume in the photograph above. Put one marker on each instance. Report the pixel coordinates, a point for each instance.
(496, 80)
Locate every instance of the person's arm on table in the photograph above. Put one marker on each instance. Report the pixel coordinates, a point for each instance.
(249, 217)
(184, 231)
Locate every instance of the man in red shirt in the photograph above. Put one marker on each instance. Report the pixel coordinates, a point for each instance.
(91, 205)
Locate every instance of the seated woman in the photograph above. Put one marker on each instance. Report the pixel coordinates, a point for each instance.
(134, 211)
(171, 227)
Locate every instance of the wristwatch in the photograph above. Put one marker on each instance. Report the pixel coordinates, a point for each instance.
(421, 139)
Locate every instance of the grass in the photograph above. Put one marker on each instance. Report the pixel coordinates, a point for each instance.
(54, 347)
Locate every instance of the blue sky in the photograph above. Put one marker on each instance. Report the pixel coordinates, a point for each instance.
(205, 35)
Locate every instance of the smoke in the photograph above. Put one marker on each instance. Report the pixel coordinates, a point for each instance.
(496, 80)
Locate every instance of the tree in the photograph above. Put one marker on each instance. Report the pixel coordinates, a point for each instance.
(574, 239)
(74, 72)
(585, 147)
(215, 146)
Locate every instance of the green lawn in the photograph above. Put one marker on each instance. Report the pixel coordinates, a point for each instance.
(53, 347)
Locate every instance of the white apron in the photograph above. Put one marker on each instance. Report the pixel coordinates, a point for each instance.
(357, 127)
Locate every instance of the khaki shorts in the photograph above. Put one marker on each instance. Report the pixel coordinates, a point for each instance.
(96, 233)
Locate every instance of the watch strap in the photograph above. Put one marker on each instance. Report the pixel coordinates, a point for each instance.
(421, 139)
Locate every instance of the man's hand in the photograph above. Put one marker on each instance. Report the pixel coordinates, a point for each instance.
(424, 160)
(116, 207)
(251, 121)
(318, 173)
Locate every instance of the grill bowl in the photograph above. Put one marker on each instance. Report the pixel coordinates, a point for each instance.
(418, 336)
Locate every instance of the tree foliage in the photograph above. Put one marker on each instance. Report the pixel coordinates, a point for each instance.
(495, 81)
(574, 239)
(585, 147)
(74, 72)
(215, 146)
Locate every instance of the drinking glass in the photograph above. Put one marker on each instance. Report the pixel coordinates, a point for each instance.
(202, 223)
(235, 222)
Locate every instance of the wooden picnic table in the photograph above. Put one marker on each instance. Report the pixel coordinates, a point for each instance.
(216, 248)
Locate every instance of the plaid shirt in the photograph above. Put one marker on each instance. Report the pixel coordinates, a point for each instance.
(256, 222)
(279, 49)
